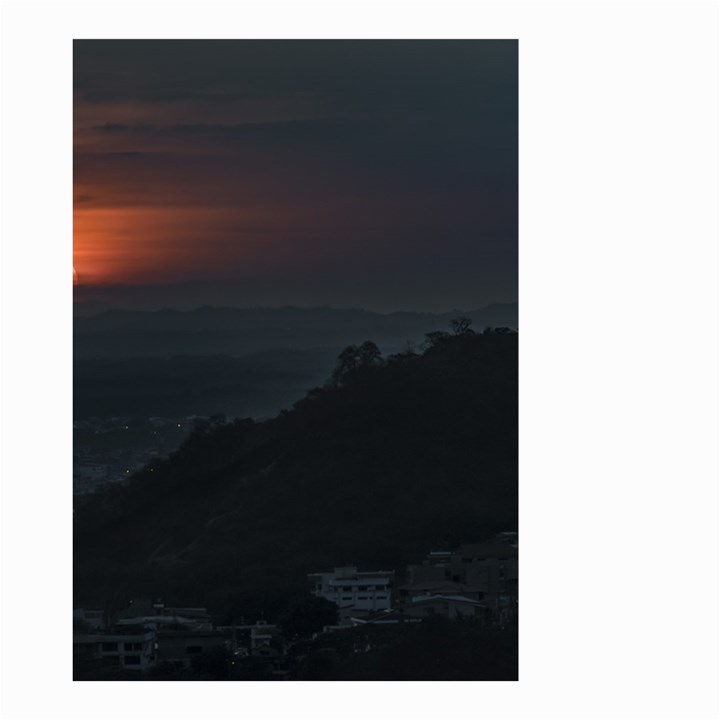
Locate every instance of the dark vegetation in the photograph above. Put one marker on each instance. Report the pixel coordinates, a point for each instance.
(435, 649)
(309, 615)
(392, 458)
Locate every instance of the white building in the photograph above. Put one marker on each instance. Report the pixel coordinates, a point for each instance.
(133, 649)
(348, 588)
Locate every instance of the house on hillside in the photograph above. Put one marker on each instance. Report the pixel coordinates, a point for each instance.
(384, 617)
(452, 607)
(353, 590)
(178, 647)
(132, 646)
(143, 611)
(485, 572)
(261, 639)
(407, 591)
(147, 633)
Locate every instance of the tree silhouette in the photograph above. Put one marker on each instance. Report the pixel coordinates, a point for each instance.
(347, 362)
(369, 354)
(354, 358)
(461, 326)
(307, 616)
(432, 339)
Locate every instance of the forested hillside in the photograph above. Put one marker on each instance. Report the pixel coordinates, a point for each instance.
(391, 458)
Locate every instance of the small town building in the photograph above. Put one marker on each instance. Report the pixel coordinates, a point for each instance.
(482, 571)
(349, 588)
(178, 647)
(452, 607)
(132, 646)
(384, 617)
(406, 592)
(156, 613)
(261, 639)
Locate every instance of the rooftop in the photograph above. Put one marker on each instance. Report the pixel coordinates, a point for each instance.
(450, 598)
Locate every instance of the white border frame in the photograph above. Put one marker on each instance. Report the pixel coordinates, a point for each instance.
(619, 357)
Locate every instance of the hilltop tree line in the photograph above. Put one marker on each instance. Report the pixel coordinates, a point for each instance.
(356, 359)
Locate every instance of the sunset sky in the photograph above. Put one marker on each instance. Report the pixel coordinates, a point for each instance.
(378, 174)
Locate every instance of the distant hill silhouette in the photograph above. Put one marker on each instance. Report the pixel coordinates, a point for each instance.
(90, 307)
(239, 362)
(389, 461)
(257, 385)
(234, 331)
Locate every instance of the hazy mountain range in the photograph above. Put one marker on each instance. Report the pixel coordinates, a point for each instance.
(237, 332)
(239, 362)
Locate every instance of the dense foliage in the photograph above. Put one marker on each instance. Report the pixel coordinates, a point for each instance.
(435, 649)
(392, 458)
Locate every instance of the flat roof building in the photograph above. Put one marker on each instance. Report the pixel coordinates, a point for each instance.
(349, 588)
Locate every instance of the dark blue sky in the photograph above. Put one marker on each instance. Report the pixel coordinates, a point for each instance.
(377, 174)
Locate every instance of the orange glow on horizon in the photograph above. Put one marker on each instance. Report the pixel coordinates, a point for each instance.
(153, 245)
(162, 244)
